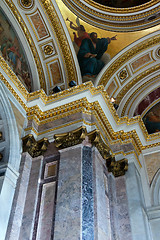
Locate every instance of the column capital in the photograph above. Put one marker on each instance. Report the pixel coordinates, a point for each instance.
(33, 147)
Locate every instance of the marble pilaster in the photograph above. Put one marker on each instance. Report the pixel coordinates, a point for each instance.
(68, 208)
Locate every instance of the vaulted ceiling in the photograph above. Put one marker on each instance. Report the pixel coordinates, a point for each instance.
(40, 26)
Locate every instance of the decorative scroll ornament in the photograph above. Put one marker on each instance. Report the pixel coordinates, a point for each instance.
(33, 147)
(118, 168)
(64, 140)
(96, 140)
(69, 139)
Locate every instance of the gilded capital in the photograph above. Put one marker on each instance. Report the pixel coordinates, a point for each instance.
(69, 139)
(33, 147)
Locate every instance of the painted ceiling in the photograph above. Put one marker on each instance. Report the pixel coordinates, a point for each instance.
(46, 52)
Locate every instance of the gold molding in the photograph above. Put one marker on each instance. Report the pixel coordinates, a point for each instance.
(71, 73)
(138, 78)
(27, 34)
(136, 91)
(126, 56)
(72, 138)
(90, 10)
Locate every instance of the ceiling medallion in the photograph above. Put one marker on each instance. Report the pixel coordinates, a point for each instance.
(48, 49)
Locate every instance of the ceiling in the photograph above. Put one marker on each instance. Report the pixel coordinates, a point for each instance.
(42, 30)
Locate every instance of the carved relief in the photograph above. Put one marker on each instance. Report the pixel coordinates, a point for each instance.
(118, 168)
(33, 147)
(69, 139)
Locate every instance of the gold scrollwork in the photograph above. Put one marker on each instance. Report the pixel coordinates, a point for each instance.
(96, 140)
(33, 147)
(64, 140)
(69, 139)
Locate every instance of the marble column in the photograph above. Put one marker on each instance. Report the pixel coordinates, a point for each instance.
(82, 208)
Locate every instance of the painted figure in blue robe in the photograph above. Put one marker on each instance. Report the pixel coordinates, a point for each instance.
(90, 53)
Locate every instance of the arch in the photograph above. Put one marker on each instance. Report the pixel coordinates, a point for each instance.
(155, 189)
(9, 165)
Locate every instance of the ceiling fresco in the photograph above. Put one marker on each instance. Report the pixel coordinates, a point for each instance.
(12, 51)
(121, 3)
(152, 119)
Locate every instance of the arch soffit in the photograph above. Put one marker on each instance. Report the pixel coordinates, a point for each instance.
(58, 37)
(116, 19)
(132, 70)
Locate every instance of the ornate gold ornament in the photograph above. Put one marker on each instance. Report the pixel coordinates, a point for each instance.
(69, 139)
(33, 147)
(26, 32)
(123, 74)
(1, 156)
(62, 39)
(115, 19)
(48, 49)
(26, 3)
(96, 140)
(135, 80)
(126, 56)
(118, 168)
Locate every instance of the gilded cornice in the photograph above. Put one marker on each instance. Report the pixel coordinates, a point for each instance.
(72, 138)
(115, 66)
(122, 10)
(120, 19)
(132, 82)
(27, 34)
(80, 105)
(62, 40)
(140, 88)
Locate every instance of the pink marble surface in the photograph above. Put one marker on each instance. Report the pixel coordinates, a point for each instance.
(45, 222)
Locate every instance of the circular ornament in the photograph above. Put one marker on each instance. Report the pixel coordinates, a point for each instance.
(158, 52)
(26, 3)
(48, 49)
(123, 74)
